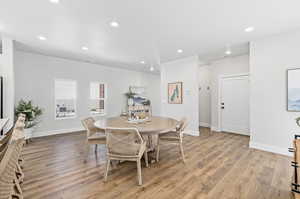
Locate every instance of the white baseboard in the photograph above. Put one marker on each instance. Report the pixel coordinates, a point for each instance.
(55, 132)
(213, 128)
(191, 132)
(204, 124)
(269, 148)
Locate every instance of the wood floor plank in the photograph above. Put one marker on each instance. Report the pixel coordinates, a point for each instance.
(218, 165)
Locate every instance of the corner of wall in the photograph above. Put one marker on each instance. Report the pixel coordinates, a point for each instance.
(216, 129)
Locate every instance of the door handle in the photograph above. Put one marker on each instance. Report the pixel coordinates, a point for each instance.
(222, 107)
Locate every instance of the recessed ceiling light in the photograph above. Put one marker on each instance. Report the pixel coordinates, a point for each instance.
(228, 52)
(114, 24)
(84, 48)
(42, 38)
(151, 68)
(179, 50)
(54, 1)
(249, 29)
(142, 62)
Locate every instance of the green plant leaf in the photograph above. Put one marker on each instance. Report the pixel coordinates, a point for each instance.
(32, 112)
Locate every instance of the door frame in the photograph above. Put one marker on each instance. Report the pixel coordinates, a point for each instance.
(220, 79)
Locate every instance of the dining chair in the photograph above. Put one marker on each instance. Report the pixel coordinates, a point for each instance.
(6, 138)
(9, 183)
(18, 135)
(19, 127)
(125, 144)
(94, 135)
(173, 137)
(5, 141)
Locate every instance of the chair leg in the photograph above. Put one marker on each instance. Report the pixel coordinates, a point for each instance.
(96, 146)
(139, 171)
(107, 169)
(19, 174)
(157, 150)
(17, 187)
(87, 150)
(181, 151)
(146, 158)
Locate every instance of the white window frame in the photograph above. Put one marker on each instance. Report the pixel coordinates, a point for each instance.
(75, 103)
(105, 99)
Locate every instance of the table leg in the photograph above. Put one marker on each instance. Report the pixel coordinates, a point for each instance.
(151, 140)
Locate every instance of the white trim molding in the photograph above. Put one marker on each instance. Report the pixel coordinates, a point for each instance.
(204, 124)
(216, 129)
(191, 132)
(269, 148)
(55, 132)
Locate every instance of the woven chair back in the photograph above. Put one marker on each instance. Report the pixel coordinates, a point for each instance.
(123, 141)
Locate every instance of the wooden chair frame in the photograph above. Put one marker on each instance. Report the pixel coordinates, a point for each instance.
(176, 137)
(142, 151)
(90, 131)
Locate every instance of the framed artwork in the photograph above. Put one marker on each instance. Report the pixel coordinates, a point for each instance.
(175, 93)
(293, 90)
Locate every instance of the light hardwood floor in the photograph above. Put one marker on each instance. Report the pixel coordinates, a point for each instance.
(218, 166)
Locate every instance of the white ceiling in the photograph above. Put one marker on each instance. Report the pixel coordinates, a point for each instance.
(150, 30)
(217, 54)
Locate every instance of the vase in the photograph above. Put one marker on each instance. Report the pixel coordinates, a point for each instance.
(28, 133)
(130, 102)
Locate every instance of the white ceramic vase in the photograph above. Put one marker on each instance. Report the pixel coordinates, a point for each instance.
(28, 133)
(130, 101)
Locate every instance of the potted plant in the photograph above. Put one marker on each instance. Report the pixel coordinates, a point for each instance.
(130, 95)
(32, 114)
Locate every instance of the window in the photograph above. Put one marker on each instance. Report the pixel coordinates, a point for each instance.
(65, 99)
(97, 98)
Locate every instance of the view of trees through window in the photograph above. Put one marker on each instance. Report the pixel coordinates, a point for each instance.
(97, 98)
(65, 99)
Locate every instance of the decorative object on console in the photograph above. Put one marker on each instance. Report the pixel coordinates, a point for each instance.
(293, 90)
(175, 93)
(295, 163)
(296, 177)
(139, 106)
(32, 116)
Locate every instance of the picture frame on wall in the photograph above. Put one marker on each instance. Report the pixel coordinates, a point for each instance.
(175, 93)
(293, 90)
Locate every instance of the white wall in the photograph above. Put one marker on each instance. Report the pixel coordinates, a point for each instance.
(186, 71)
(226, 66)
(152, 83)
(7, 71)
(35, 76)
(204, 96)
(272, 127)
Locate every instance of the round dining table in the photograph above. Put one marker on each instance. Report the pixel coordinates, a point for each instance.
(149, 129)
(152, 126)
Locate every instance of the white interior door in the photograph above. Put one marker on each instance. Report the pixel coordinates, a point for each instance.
(235, 104)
